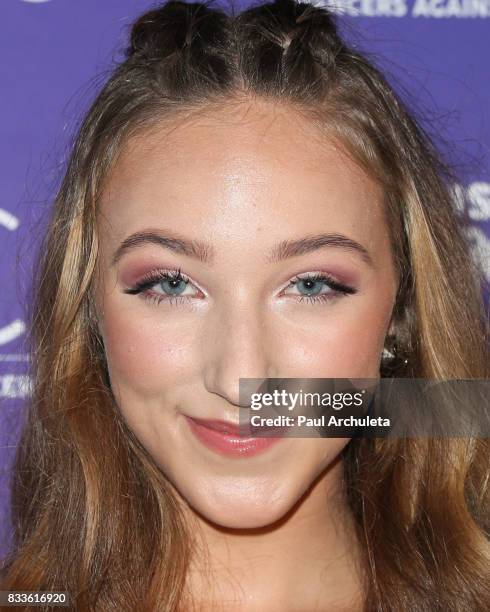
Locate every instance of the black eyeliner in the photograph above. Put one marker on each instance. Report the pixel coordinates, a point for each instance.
(333, 284)
(148, 282)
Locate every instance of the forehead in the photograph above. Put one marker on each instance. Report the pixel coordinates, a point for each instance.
(237, 169)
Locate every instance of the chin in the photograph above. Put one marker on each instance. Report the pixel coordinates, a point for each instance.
(243, 504)
(243, 518)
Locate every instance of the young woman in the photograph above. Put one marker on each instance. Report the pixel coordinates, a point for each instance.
(247, 197)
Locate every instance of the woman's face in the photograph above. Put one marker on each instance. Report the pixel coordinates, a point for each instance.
(242, 200)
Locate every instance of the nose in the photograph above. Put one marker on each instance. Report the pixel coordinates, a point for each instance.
(239, 344)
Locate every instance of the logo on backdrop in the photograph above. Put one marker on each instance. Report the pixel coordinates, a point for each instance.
(474, 201)
(11, 385)
(437, 9)
(14, 329)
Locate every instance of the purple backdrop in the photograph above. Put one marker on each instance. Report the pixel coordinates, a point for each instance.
(54, 54)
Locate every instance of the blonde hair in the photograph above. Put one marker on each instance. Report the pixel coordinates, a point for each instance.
(93, 514)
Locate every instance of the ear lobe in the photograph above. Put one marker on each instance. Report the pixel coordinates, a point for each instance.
(392, 327)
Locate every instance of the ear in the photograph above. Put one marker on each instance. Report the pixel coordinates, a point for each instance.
(391, 331)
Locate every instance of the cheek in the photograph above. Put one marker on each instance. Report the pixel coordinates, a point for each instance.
(358, 347)
(144, 352)
(344, 341)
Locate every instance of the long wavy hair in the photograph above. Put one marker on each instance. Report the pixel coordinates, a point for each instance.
(92, 513)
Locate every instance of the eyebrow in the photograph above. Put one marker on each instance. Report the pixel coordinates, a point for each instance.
(192, 248)
(292, 248)
(204, 252)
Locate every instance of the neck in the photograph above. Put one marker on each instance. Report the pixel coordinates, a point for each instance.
(308, 560)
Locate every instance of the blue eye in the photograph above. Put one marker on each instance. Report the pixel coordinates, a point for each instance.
(310, 286)
(163, 286)
(319, 288)
(173, 286)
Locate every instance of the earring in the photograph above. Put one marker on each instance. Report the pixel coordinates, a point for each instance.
(387, 354)
(393, 357)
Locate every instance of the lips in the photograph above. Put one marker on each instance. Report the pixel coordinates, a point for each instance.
(223, 437)
(226, 427)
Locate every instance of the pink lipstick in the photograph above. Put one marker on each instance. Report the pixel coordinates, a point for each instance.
(223, 437)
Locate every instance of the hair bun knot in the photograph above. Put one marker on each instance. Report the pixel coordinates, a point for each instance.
(163, 31)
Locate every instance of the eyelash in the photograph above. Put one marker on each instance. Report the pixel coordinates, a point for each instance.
(152, 278)
(340, 289)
